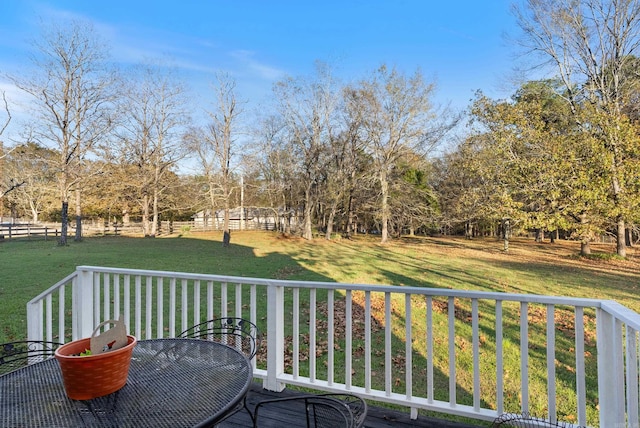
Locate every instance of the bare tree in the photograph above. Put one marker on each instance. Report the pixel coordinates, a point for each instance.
(276, 164)
(589, 44)
(217, 146)
(150, 135)
(72, 107)
(346, 173)
(308, 108)
(398, 118)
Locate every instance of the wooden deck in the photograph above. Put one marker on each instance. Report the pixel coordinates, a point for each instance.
(377, 417)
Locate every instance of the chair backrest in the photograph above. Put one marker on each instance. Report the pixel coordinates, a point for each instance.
(14, 355)
(357, 406)
(327, 412)
(238, 333)
(320, 411)
(525, 420)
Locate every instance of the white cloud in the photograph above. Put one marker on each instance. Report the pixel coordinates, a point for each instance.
(263, 70)
(17, 99)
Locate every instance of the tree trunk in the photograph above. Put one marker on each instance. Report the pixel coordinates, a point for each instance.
(227, 209)
(287, 223)
(506, 233)
(226, 237)
(351, 227)
(34, 213)
(78, 237)
(145, 215)
(585, 249)
(618, 195)
(468, 230)
(242, 227)
(155, 218)
(384, 187)
(621, 248)
(64, 213)
(539, 235)
(332, 216)
(307, 232)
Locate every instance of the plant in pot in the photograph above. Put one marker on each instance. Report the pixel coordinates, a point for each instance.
(98, 365)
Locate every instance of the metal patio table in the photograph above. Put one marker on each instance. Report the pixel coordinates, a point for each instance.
(172, 383)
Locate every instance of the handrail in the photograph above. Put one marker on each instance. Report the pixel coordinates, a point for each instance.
(444, 292)
(622, 313)
(53, 288)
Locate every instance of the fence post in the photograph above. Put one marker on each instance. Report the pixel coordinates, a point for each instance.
(610, 370)
(275, 337)
(83, 304)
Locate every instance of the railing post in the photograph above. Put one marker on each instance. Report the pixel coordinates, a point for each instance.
(83, 305)
(275, 337)
(610, 374)
(35, 318)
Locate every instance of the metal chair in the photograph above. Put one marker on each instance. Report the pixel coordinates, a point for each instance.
(238, 333)
(14, 355)
(235, 332)
(324, 410)
(525, 420)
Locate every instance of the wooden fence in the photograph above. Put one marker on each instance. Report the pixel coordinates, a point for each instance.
(93, 228)
(14, 231)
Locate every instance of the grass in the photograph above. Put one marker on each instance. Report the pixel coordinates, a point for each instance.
(29, 267)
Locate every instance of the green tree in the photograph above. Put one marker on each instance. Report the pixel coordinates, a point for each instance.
(414, 204)
(590, 43)
(546, 171)
(31, 165)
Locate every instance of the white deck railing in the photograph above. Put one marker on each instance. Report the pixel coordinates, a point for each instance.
(467, 353)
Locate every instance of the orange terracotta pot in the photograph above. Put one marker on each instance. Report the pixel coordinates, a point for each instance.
(93, 376)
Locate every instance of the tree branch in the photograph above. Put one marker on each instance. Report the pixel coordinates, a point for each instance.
(6, 108)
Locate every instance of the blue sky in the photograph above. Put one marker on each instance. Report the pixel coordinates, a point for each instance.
(459, 44)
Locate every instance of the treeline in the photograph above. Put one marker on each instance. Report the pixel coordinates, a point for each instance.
(561, 155)
(113, 143)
